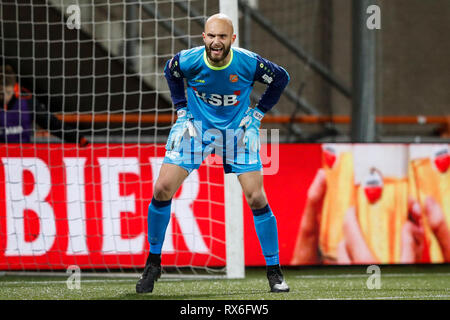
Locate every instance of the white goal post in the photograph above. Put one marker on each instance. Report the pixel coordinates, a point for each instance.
(234, 212)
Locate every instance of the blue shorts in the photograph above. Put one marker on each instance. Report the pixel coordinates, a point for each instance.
(236, 157)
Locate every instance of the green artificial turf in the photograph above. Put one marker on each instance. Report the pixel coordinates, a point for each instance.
(397, 282)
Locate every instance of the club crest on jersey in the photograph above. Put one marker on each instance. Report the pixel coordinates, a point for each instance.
(234, 78)
(218, 100)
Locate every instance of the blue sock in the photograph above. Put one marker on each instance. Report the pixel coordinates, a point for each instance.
(158, 218)
(266, 229)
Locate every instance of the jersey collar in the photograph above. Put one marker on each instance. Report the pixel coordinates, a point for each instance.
(217, 68)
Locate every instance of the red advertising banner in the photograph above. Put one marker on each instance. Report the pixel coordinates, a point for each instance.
(334, 204)
(60, 205)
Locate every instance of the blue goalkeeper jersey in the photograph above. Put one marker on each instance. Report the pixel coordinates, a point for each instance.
(219, 96)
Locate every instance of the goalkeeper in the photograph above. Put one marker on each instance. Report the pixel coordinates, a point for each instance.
(219, 81)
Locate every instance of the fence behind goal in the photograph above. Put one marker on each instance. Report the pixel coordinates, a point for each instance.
(62, 204)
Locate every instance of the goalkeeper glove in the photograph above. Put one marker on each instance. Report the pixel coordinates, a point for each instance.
(251, 123)
(183, 124)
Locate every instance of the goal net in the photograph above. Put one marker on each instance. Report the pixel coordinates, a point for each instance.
(98, 67)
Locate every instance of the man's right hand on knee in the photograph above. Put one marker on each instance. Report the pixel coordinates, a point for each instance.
(183, 124)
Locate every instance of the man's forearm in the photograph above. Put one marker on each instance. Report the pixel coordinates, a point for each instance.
(174, 77)
(276, 79)
(271, 97)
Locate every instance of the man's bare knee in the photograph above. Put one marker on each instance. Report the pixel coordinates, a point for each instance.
(256, 199)
(170, 179)
(163, 190)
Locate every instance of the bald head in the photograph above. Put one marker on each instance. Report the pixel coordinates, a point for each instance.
(218, 38)
(221, 19)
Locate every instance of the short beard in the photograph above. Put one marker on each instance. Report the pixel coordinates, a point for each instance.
(226, 51)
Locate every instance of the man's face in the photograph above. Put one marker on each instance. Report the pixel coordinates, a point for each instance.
(6, 94)
(218, 38)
